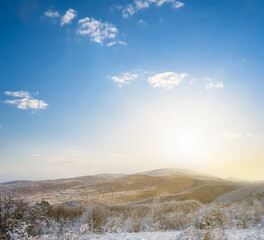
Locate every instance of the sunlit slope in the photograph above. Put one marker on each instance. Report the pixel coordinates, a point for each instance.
(162, 185)
(173, 171)
(247, 193)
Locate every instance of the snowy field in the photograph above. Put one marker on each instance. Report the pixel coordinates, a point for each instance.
(170, 235)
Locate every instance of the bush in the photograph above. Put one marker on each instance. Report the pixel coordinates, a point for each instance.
(96, 218)
(20, 220)
(210, 216)
(15, 217)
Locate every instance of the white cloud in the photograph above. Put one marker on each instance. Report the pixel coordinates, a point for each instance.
(111, 44)
(70, 156)
(160, 2)
(175, 4)
(63, 157)
(98, 31)
(116, 42)
(137, 5)
(125, 78)
(214, 85)
(166, 80)
(51, 14)
(69, 15)
(18, 94)
(178, 4)
(128, 11)
(26, 101)
(235, 134)
(141, 4)
(232, 134)
(122, 43)
(191, 81)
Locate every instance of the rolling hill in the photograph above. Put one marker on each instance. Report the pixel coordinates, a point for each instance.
(161, 185)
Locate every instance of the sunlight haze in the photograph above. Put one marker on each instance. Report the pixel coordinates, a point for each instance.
(92, 87)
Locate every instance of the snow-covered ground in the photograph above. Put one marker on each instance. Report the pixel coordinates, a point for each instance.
(247, 234)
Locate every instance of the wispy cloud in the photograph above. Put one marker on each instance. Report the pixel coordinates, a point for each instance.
(139, 4)
(178, 4)
(116, 42)
(74, 151)
(111, 44)
(20, 94)
(125, 78)
(51, 14)
(68, 17)
(235, 134)
(166, 80)
(116, 155)
(214, 85)
(25, 101)
(142, 22)
(130, 9)
(122, 43)
(98, 31)
(1, 126)
(192, 81)
(70, 156)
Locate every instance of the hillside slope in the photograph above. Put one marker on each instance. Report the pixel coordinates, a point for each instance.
(145, 187)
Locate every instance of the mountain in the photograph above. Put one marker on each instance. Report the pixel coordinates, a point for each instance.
(177, 172)
(16, 182)
(170, 171)
(163, 185)
(246, 193)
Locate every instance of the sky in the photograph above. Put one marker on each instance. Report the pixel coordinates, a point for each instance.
(125, 86)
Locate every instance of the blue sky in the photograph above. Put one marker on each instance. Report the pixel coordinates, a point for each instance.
(124, 86)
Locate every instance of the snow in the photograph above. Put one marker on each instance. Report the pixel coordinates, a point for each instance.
(245, 234)
(138, 236)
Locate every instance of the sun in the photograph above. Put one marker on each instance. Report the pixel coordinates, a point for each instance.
(188, 144)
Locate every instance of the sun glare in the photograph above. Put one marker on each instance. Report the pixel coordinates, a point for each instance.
(188, 144)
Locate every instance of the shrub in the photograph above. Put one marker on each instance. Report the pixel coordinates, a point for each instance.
(210, 216)
(96, 218)
(20, 220)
